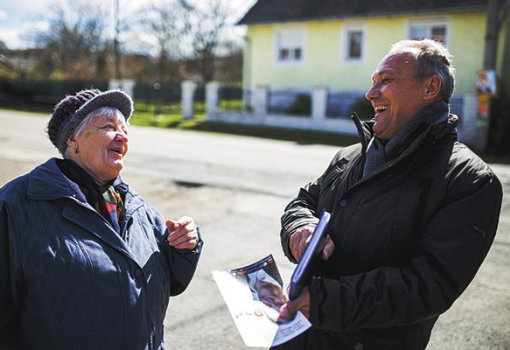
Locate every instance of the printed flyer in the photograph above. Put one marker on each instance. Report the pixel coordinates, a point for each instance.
(253, 295)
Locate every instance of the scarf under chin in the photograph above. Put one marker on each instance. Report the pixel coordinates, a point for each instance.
(381, 151)
(106, 199)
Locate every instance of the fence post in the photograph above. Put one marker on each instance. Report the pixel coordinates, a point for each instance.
(127, 85)
(212, 90)
(319, 101)
(188, 89)
(260, 100)
(247, 99)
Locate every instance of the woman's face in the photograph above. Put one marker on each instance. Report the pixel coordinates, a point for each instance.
(102, 146)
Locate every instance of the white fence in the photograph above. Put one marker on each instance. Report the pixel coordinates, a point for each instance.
(258, 110)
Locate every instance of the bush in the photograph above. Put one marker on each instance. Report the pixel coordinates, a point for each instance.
(363, 108)
(302, 105)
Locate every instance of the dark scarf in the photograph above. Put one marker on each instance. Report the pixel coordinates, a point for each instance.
(106, 200)
(381, 151)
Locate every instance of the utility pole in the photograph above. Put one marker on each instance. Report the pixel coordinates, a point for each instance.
(491, 35)
(489, 63)
(116, 49)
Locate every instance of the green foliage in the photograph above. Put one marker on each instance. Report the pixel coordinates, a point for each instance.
(163, 116)
(231, 105)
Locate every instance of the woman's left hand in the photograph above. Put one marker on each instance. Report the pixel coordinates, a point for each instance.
(183, 233)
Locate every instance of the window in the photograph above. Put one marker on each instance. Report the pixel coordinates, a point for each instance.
(436, 30)
(290, 44)
(354, 37)
(354, 40)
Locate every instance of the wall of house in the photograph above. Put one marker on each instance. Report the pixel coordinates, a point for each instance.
(323, 65)
(467, 47)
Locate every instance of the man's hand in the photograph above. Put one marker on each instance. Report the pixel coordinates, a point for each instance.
(301, 303)
(183, 233)
(300, 238)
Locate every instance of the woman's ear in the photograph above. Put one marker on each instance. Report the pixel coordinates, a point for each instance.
(432, 87)
(72, 143)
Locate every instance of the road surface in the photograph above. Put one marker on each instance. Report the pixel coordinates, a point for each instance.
(236, 188)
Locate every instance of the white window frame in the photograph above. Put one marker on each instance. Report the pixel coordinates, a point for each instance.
(298, 31)
(344, 46)
(429, 23)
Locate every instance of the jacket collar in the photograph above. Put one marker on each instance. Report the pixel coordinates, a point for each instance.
(47, 182)
(430, 132)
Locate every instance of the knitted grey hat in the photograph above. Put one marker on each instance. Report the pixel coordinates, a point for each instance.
(69, 112)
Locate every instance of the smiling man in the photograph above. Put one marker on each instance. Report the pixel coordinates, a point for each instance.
(414, 214)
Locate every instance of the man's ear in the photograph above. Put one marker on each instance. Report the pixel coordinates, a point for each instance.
(432, 87)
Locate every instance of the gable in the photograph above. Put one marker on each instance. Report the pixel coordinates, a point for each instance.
(273, 11)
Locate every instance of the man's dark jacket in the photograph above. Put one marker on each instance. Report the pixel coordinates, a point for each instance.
(409, 238)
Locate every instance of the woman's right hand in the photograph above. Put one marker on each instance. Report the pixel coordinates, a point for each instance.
(183, 233)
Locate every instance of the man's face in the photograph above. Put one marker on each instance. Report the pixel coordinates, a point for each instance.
(395, 94)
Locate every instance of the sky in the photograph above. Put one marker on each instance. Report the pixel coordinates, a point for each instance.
(21, 16)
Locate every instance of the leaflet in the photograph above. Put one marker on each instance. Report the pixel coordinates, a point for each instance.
(253, 295)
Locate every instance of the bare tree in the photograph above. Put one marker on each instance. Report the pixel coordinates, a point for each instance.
(205, 23)
(229, 65)
(74, 44)
(6, 68)
(116, 42)
(163, 22)
(190, 32)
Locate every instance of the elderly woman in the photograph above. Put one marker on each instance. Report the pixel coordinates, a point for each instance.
(85, 262)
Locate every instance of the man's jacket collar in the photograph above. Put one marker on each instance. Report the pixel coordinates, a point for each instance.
(432, 132)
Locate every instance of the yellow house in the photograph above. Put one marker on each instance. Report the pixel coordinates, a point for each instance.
(338, 44)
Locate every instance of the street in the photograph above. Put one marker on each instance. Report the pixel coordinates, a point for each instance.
(236, 189)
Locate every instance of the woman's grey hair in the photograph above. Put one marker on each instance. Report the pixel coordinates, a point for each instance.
(106, 111)
(431, 57)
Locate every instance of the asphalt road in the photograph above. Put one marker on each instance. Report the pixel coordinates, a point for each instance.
(236, 189)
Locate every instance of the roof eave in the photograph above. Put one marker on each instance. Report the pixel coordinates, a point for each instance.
(441, 11)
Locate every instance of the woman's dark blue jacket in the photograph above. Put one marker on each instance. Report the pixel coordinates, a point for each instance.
(69, 281)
